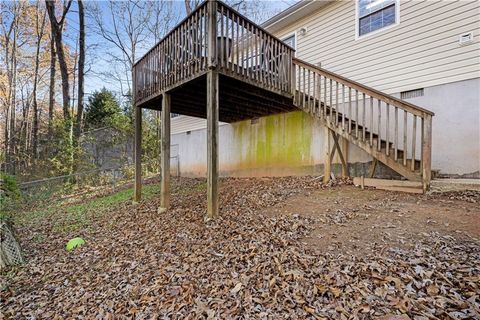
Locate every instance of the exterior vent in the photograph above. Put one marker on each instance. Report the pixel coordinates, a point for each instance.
(412, 94)
(466, 38)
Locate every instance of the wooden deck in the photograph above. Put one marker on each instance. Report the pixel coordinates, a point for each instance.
(237, 100)
(254, 67)
(219, 65)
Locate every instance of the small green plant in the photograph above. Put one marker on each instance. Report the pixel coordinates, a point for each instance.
(9, 193)
(74, 243)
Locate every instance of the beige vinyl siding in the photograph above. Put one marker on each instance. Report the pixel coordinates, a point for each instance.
(182, 124)
(421, 51)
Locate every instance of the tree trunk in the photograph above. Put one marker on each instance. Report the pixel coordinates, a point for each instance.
(57, 32)
(39, 31)
(12, 135)
(51, 89)
(81, 71)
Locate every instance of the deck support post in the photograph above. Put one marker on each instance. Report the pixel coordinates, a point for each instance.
(138, 154)
(426, 152)
(345, 172)
(212, 34)
(212, 144)
(165, 153)
(327, 158)
(373, 166)
(342, 152)
(212, 113)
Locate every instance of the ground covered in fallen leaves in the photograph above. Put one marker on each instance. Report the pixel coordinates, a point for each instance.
(286, 248)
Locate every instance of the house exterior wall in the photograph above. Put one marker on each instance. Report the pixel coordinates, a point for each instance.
(293, 143)
(278, 145)
(455, 127)
(422, 50)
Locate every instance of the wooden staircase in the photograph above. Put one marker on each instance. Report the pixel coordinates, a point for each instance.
(218, 58)
(392, 131)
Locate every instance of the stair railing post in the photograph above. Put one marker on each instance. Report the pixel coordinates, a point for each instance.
(212, 8)
(426, 151)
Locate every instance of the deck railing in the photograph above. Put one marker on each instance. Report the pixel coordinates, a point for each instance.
(389, 128)
(214, 36)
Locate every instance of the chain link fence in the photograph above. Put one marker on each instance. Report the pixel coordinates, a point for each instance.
(37, 192)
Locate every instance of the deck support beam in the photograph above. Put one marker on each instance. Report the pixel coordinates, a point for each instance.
(212, 144)
(330, 153)
(328, 160)
(373, 166)
(138, 154)
(345, 144)
(341, 154)
(165, 153)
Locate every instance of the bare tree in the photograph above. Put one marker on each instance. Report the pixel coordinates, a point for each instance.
(81, 70)
(57, 34)
(131, 27)
(39, 32)
(256, 10)
(9, 35)
(51, 88)
(190, 5)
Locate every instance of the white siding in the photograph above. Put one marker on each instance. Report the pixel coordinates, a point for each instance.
(421, 51)
(182, 124)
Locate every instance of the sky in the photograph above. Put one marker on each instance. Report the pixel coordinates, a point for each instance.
(98, 48)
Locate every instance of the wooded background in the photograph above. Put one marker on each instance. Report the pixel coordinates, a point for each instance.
(57, 57)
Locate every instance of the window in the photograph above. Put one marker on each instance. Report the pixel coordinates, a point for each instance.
(290, 41)
(375, 14)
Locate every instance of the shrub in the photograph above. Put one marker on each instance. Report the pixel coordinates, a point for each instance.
(9, 193)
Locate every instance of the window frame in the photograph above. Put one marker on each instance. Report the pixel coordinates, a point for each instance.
(357, 21)
(289, 35)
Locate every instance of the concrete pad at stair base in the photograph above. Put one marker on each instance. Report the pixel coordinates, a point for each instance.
(446, 185)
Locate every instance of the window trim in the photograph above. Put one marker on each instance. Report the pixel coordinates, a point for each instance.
(357, 21)
(289, 35)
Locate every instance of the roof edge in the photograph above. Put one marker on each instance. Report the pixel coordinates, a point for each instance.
(297, 11)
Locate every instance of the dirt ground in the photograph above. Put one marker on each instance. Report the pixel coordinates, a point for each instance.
(283, 248)
(353, 221)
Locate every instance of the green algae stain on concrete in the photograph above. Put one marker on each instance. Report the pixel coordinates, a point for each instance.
(276, 140)
(298, 137)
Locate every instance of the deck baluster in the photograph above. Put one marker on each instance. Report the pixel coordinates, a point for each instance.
(379, 139)
(414, 142)
(405, 142)
(356, 114)
(387, 129)
(396, 135)
(371, 121)
(364, 121)
(344, 107)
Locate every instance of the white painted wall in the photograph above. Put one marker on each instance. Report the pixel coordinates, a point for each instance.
(239, 154)
(456, 139)
(456, 125)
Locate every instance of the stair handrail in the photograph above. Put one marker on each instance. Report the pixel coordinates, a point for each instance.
(412, 108)
(316, 90)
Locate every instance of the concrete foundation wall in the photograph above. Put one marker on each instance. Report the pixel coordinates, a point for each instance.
(293, 143)
(456, 126)
(283, 144)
